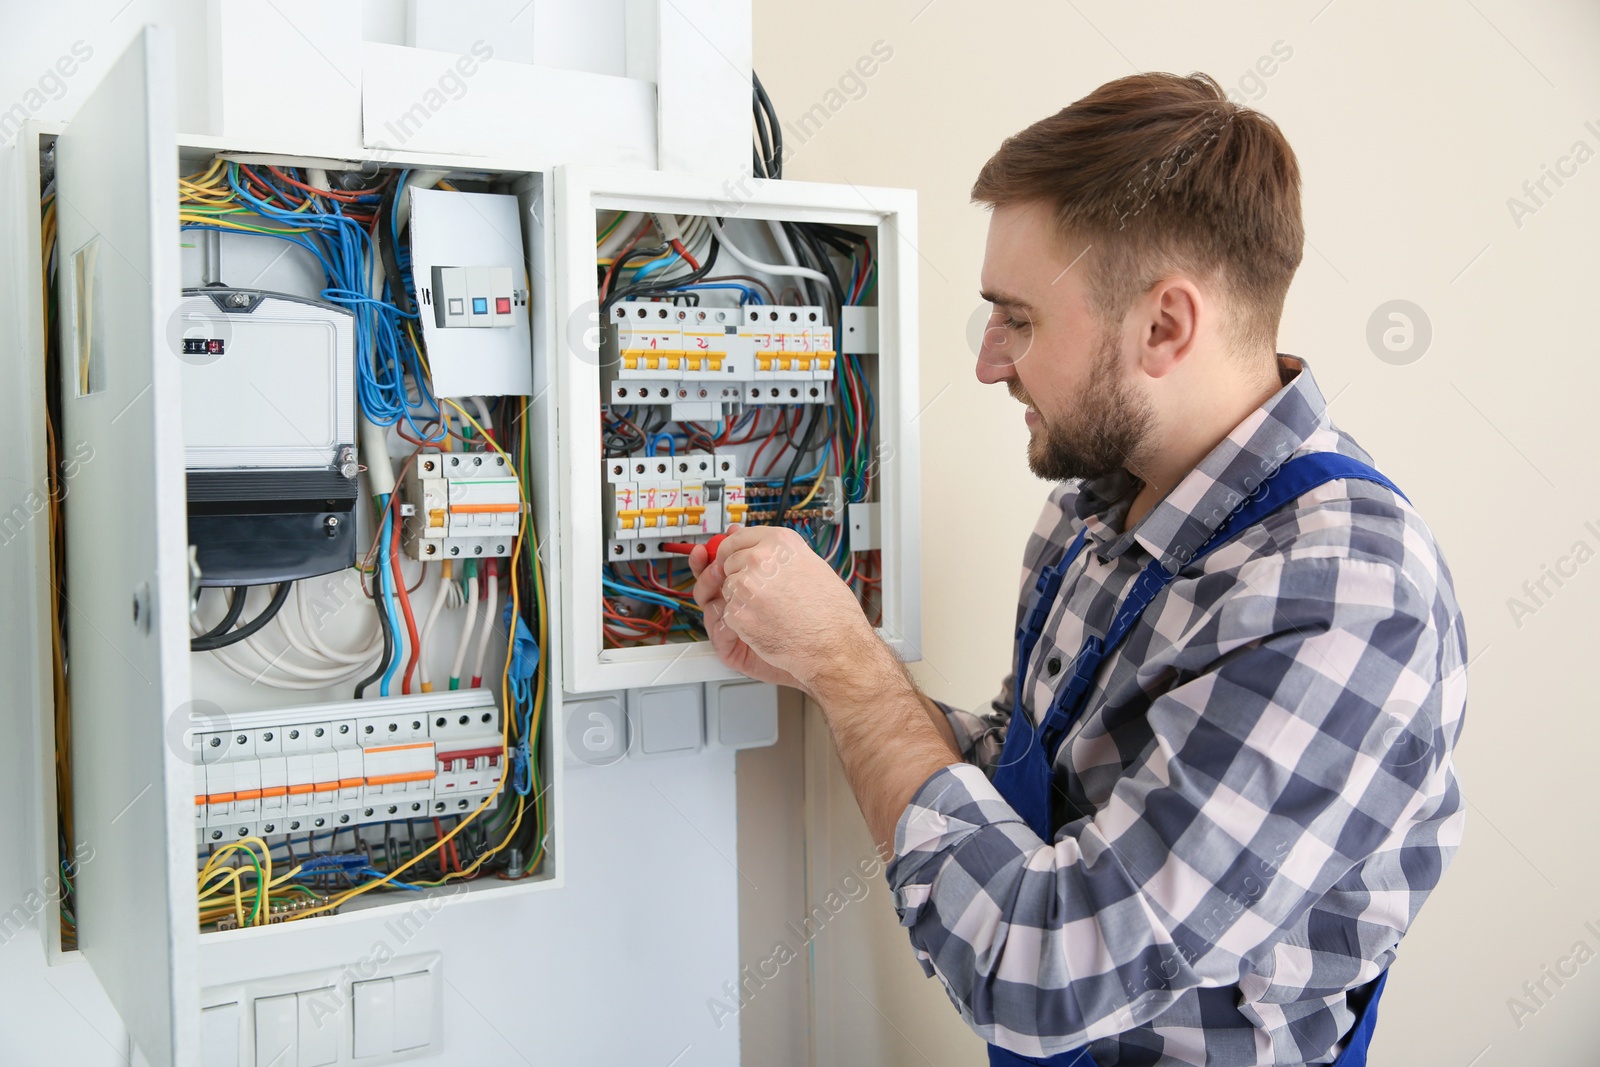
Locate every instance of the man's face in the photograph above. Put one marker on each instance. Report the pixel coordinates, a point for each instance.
(1085, 418)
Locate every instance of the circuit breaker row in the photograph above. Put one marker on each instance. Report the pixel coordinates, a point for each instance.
(704, 360)
(651, 499)
(460, 505)
(424, 758)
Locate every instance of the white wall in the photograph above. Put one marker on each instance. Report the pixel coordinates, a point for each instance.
(1414, 123)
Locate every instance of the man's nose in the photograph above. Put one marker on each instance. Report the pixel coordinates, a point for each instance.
(995, 364)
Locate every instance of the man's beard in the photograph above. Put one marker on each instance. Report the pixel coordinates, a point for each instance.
(1106, 430)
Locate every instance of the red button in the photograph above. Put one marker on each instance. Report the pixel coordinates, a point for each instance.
(502, 305)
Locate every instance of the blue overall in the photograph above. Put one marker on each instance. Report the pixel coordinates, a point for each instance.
(1025, 776)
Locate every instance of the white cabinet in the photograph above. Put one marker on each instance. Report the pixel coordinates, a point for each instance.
(138, 701)
(128, 585)
(139, 697)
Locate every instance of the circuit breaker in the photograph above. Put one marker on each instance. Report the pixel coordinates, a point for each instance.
(464, 506)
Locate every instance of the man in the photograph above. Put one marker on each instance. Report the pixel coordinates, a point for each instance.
(1217, 784)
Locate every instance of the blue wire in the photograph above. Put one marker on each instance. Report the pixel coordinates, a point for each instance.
(636, 592)
(751, 296)
(653, 265)
(345, 252)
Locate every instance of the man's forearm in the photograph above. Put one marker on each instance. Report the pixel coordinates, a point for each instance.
(890, 737)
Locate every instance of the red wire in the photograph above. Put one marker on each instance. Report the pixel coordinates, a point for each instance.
(776, 426)
(405, 604)
(444, 849)
(349, 198)
(677, 246)
(785, 445)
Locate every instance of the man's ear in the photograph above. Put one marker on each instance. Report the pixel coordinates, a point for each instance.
(1168, 323)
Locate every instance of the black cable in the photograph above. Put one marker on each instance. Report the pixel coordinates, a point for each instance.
(809, 240)
(661, 288)
(763, 149)
(235, 609)
(210, 642)
(800, 451)
(775, 161)
(388, 648)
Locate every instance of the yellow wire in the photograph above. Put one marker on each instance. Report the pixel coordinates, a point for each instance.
(231, 875)
(814, 487)
(212, 867)
(505, 726)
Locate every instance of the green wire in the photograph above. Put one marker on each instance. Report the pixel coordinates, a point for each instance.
(255, 909)
(614, 224)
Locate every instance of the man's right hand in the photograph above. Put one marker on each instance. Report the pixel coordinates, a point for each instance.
(731, 649)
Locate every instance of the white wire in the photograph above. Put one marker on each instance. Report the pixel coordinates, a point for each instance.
(781, 236)
(483, 412)
(344, 662)
(625, 232)
(445, 585)
(488, 625)
(782, 269)
(300, 678)
(374, 643)
(466, 627)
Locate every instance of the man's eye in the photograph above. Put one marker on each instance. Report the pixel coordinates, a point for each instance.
(1014, 324)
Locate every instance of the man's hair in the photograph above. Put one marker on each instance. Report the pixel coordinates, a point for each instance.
(1162, 174)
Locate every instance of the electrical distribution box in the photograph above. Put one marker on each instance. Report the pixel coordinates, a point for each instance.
(684, 384)
(551, 446)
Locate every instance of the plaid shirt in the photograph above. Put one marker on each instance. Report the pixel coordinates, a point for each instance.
(1259, 794)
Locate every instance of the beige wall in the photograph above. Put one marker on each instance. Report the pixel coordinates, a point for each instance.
(1414, 124)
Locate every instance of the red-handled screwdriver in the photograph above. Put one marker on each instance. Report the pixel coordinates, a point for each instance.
(683, 548)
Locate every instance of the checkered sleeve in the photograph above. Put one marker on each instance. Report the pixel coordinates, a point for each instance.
(981, 734)
(1316, 735)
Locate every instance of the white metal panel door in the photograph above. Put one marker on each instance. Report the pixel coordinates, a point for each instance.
(127, 583)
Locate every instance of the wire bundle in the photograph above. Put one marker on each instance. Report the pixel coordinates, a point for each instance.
(355, 235)
(355, 238)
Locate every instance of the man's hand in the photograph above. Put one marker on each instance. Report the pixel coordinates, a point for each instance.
(777, 612)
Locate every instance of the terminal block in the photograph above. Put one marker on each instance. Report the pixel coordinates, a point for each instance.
(325, 767)
(651, 499)
(463, 505)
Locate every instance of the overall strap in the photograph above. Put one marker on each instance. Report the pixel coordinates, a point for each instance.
(1293, 479)
(1041, 602)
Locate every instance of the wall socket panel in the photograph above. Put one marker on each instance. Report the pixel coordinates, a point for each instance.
(373, 1011)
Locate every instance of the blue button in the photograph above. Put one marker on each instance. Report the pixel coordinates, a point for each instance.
(480, 305)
